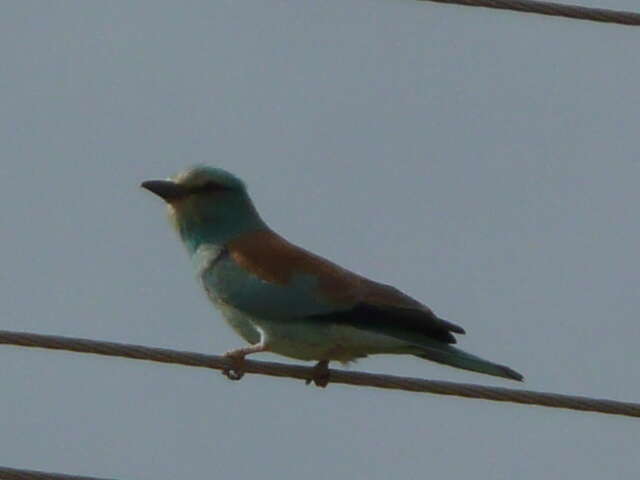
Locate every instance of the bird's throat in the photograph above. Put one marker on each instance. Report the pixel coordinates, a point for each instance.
(214, 226)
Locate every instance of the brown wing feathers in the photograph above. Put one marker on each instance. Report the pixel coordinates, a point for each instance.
(359, 301)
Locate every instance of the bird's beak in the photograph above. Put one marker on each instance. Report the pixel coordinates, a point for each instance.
(166, 189)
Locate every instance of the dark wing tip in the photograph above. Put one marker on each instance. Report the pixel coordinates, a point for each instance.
(452, 326)
(457, 329)
(512, 374)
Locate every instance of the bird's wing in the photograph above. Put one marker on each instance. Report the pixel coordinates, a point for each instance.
(386, 309)
(339, 294)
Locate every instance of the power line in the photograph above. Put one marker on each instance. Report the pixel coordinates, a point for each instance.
(193, 359)
(553, 9)
(18, 474)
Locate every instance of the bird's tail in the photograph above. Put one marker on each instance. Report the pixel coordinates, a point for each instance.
(455, 357)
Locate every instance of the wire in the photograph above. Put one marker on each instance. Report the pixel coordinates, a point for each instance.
(553, 9)
(336, 376)
(16, 474)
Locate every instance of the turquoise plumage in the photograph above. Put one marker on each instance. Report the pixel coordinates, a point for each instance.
(286, 300)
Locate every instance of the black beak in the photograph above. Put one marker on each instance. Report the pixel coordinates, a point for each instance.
(166, 189)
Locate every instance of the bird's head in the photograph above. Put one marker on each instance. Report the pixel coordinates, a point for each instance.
(207, 205)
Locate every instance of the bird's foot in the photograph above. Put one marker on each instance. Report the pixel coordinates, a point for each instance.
(320, 375)
(236, 371)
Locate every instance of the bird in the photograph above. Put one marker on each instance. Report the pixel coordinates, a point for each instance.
(283, 299)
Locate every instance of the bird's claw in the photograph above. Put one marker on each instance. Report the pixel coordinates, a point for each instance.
(236, 371)
(320, 375)
(233, 374)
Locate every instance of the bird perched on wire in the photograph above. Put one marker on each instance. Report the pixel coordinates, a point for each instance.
(283, 299)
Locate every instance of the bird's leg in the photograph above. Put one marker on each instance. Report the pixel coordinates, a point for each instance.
(320, 375)
(236, 372)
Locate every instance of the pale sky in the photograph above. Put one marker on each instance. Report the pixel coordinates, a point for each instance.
(485, 162)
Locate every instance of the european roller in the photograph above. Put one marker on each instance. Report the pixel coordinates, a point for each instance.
(283, 299)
